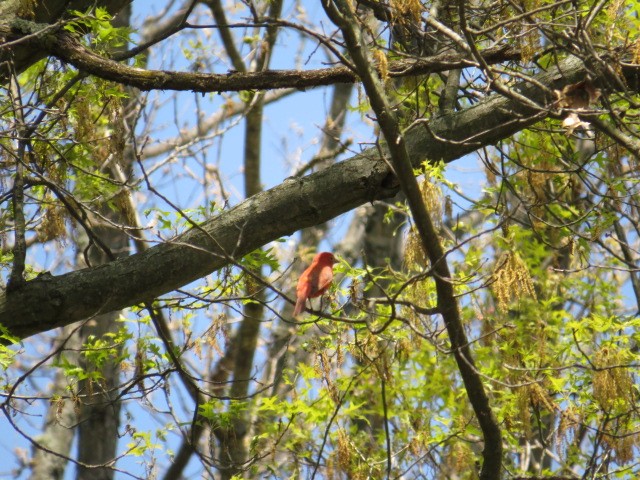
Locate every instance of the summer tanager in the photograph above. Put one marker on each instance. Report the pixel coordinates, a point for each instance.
(315, 280)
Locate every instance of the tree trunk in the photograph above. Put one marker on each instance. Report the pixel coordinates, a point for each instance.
(58, 430)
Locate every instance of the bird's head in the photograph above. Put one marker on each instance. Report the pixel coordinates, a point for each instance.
(326, 258)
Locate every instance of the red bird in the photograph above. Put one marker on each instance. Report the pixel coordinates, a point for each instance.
(315, 280)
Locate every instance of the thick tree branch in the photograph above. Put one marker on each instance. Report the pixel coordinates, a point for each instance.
(48, 302)
(67, 48)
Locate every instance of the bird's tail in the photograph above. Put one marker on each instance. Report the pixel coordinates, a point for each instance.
(300, 304)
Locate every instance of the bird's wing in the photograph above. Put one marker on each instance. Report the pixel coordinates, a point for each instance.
(314, 281)
(325, 277)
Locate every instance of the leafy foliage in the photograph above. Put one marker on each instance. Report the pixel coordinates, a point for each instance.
(541, 239)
